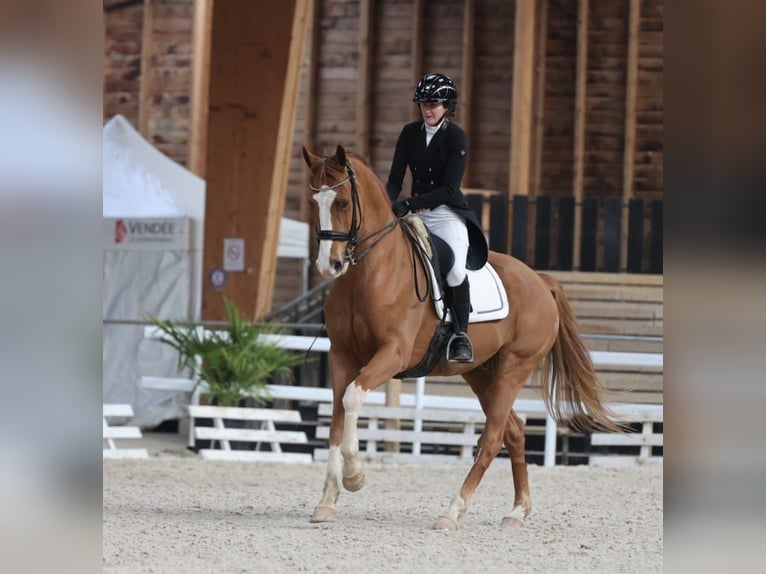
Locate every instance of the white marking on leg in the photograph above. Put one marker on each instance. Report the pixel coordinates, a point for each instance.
(353, 399)
(518, 512)
(332, 481)
(456, 508)
(324, 199)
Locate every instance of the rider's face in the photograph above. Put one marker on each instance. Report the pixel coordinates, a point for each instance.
(432, 112)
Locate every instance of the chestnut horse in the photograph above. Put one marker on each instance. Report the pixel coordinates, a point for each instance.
(379, 326)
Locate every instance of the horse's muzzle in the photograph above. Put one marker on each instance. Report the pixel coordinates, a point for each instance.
(333, 268)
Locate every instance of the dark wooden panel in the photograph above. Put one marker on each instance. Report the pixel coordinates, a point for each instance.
(635, 235)
(543, 233)
(589, 234)
(498, 223)
(612, 233)
(519, 227)
(565, 234)
(655, 265)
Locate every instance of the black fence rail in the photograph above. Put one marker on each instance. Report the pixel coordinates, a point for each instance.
(541, 232)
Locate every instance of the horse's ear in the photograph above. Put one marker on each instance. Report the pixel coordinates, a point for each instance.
(309, 157)
(340, 155)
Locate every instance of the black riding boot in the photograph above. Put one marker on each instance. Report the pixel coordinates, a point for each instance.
(459, 348)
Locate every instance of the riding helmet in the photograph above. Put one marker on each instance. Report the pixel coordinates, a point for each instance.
(436, 88)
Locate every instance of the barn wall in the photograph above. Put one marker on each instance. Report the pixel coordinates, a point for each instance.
(329, 105)
(122, 62)
(167, 78)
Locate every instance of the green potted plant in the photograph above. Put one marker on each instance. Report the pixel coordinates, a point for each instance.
(234, 362)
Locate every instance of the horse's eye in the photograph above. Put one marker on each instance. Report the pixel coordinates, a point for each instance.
(343, 203)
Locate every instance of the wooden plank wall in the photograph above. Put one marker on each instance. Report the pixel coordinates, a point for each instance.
(405, 39)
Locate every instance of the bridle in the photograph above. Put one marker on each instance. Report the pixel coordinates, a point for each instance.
(351, 236)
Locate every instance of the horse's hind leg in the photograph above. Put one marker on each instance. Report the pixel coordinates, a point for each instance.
(514, 441)
(496, 390)
(496, 393)
(490, 443)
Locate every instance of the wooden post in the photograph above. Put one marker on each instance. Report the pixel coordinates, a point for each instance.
(541, 44)
(145, 83)
(200, 86)
(393, 394)
(631, 88)
(521, 111)
(255, 61)
(416, 50)
(465, 91)
(363, 91)
(312, 94)
(579, 122)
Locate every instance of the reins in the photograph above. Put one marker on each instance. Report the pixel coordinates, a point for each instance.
(417, 251)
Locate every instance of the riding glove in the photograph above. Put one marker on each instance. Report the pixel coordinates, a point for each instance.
(401, 208)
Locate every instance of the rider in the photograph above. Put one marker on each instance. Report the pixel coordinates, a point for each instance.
(436, 152)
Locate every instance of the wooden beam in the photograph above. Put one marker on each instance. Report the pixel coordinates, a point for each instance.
(416, 49)
(538, 109)
(145, 83)
(312, 91)
(363, 91)
(631, 89)
(521, 110)
(200, 86)
(393, 399)
(300, 20)
(312, 94)
(465, 93)
(255, 62)
(579, 121)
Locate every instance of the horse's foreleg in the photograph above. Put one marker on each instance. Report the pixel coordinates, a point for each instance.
(353, 476)
(514, 441)
(384, 364)
(325, 510)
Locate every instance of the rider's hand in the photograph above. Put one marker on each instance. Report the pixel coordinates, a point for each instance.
(401, 208)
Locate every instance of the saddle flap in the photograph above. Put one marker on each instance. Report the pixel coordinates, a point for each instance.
(489, 300)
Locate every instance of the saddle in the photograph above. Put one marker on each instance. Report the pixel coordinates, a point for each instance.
(489, 301)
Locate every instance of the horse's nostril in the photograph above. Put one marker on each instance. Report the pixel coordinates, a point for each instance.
(337, 266)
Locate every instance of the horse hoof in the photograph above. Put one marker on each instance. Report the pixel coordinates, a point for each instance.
(323, 514)
(512, 521)
(445, 523)
(353, 483)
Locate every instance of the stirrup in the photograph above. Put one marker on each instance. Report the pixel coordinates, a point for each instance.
(455, 337)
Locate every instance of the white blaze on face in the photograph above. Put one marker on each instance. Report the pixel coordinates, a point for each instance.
(324, 199)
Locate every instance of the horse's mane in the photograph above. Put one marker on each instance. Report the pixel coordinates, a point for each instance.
(330, 168)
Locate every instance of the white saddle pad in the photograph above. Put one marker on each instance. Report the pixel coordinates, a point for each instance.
(489, 301)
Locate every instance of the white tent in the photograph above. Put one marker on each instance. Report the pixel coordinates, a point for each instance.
(154, 213)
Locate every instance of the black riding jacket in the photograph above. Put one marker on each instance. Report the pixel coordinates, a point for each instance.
(437, 171)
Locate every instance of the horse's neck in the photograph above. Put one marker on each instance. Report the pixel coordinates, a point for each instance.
(383, 272)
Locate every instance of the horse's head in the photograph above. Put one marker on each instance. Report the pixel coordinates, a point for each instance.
(335, 210)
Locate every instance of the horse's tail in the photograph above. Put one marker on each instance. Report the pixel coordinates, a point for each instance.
(570, 389)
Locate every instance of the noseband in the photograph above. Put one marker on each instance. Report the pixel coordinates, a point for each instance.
(351, 236)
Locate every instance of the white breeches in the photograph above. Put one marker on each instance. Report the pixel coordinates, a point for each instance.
(450, 227)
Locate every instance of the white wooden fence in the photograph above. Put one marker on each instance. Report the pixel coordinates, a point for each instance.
(645, 414)
(268, 433)
(112, 433)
